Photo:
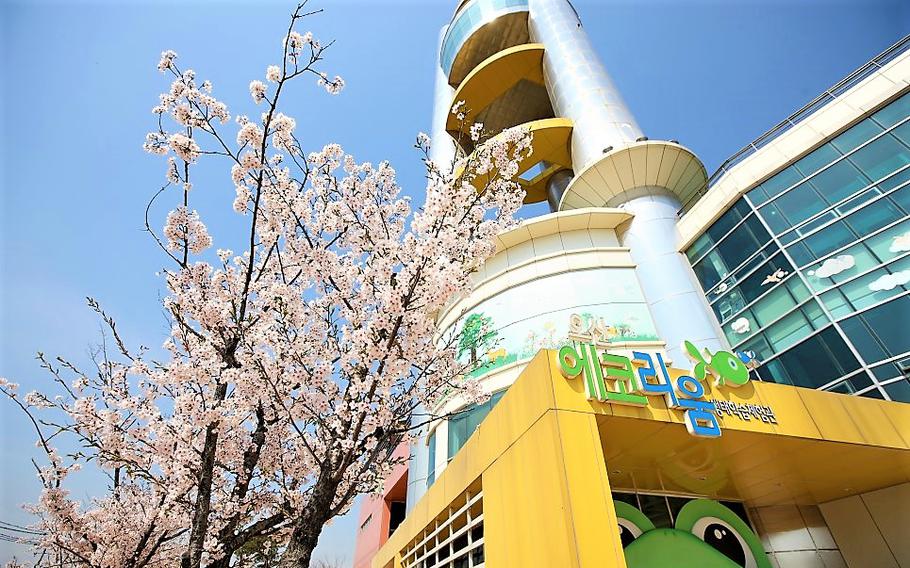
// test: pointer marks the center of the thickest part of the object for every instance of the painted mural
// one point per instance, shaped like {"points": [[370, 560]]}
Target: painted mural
{"points": [[520, 321], [703, 534]]}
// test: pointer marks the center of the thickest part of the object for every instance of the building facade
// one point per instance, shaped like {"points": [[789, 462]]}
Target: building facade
{"points": [[790, 264]]}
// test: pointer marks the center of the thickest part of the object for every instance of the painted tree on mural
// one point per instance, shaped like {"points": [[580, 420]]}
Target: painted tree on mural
{"points": [[477, 336], [293, 368]]}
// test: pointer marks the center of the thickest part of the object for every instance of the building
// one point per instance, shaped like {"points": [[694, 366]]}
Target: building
{"points": [[718, 308]]}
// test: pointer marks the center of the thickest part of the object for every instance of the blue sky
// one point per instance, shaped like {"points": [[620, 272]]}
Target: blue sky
{"points": [[81, 80]]}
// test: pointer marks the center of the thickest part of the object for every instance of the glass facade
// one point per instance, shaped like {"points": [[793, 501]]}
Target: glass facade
{"points": [[465, 422], [811, 269], [461, 426], [474, 15]]}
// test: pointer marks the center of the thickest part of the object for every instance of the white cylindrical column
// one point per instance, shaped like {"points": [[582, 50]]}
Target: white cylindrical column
{"points": [[442, 151], [578, 83], [418, 459], [677, 304]]}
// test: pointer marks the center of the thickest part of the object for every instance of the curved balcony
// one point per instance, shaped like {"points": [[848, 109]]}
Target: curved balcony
{"points": [[505, 90], [624, 173], [479, 29], [549, 154]]}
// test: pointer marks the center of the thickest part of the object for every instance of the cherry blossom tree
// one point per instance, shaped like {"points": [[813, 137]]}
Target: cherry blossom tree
{"points": [[293, 368]]}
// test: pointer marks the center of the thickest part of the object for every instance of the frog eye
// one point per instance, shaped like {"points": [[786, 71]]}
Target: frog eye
{"points": [[632, 522], [725, 539], [723, 530]]}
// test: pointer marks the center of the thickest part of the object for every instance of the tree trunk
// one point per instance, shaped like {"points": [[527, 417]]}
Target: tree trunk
{"points": [[308, 527], [192, 558]]}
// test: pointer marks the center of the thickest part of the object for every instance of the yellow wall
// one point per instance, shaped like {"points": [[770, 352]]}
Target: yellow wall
{"points": [[542, 456]]}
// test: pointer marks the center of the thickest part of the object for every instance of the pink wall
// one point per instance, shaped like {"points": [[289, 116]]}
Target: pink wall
{"points": [[377, 509]]}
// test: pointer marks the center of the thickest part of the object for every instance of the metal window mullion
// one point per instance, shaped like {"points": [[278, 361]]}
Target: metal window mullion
{"points": [[821, 304], [775, 320], [842, 217], [852, 196], [759, 297], [831, 163], [845, 247], [871, 306], [724, 237], [748, 259], [903, 355]]}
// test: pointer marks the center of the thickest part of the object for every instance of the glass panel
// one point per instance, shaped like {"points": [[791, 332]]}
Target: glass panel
{"points": [[902, 197], [902, 132], [458, 434], [710, 270], [899, 391], [762, 279], [817, 159], [895, 180], [800, 253], [819, 221], [881, 157], [886, 371], [726, 222], [760, 346], [776, 372], [847, 264], [778, 183], [798, 289], [741, 327], [744, 241], [891, 242], [788, 331], [819, 360], [655, 508], [774, 305], [873, 217], [889, 324], [431, 460], [476, 416], [789, 237], [816, 316], [874, 393], [699, 247], [861, 293], [857, 201], [839, 181], [829, 239], [797, 205], [774, 218], [894, 112], [836, 303], [729, 305], [744, 269], [862, 339], [855, 383], [858, 134]]}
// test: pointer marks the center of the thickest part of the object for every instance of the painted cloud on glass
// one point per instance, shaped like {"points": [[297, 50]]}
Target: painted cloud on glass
{"points": [[890, 281], [834, 266], [741, 326], [901, 243]]}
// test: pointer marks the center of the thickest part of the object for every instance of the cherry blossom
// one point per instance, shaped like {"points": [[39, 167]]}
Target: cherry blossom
{"points": [[291, 370]]}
